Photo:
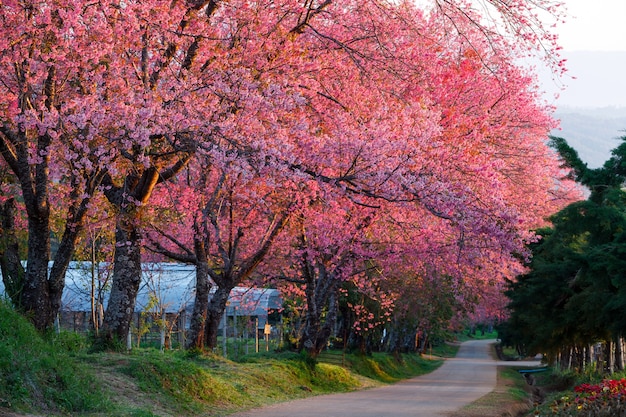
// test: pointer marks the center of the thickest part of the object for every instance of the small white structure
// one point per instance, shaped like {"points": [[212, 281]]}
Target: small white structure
{"points": [[167, 292]]}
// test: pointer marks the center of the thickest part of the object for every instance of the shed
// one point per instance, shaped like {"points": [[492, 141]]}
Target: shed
{"points": [[166, 288]]}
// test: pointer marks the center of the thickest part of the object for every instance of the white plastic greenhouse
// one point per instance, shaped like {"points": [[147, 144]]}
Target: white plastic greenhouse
{"points": [[167, 291]]}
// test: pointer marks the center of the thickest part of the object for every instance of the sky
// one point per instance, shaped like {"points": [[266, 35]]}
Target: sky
{"points": [[594, 25], [594, 44]]}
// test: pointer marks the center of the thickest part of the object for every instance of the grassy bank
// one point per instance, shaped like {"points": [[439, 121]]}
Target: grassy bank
{"points": [[54, 375], [42, 373]]}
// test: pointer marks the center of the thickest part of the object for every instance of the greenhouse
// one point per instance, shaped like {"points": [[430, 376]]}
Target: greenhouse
{"points": [[166, 296]]}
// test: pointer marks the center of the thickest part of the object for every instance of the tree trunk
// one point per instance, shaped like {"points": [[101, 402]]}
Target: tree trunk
{"points": [[608, 354], [129, 199], [588, 356], [10, 264], [313, 314], [197, 325], [423, 342], [329, 323], [215, 312], [36, 303], [321, 292], [126, 280], [619, 354], [312, 326], [37, 291], [75, 223], [393, 338]]}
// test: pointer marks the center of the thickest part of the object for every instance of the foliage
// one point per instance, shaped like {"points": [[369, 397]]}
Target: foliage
{"points": [[67, 341], [472, 333], [573, 293], [400, 137]]}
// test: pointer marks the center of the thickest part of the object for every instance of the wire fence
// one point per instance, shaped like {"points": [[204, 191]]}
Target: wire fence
{"points": [[238, 335]]}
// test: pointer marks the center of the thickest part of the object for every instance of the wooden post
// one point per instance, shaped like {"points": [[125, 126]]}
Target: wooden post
{"points": [[235, 335], [256, 334], [163, 324], [129, 341], [181, 329], [224, 322], [267, 330]]}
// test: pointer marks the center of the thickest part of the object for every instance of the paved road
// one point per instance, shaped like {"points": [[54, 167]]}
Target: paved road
{"points": [[459, 381]]}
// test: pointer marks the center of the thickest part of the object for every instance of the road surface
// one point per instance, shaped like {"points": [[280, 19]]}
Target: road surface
{"points": [[459, 381]]}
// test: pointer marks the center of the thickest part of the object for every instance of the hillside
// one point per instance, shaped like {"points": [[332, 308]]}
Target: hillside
{"points": [[592, 132]]}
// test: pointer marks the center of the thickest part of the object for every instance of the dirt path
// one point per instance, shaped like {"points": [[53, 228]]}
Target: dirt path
{"points": [[458, 382]]}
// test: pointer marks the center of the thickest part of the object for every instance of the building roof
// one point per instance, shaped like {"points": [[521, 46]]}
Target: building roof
{"points": [[168, 287]]}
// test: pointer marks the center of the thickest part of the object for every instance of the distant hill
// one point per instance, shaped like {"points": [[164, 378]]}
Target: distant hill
{"points": [[593, 132], [592, 108]]}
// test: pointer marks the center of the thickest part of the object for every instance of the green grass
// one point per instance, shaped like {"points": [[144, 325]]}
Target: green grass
{"points": [[41, 372], [177, 383], [192, 385], [387, 368], [56, 375], [517, 389], [444, 350], [477, 335]]}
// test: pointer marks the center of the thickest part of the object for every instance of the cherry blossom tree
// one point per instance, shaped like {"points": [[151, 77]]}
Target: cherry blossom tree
{"points": [[330, 250], [378, 103], [44, 93], [394, 133], [461, 175], [234, 211], [91, 92]]}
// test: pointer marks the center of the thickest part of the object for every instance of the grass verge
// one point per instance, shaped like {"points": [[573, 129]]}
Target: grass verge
{"points": [[56, 376]]}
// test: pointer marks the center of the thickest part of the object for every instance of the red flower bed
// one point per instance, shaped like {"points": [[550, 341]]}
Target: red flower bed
{"points": [[606, 399]]}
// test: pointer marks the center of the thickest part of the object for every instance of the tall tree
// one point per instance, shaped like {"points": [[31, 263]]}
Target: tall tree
{"points": [[330, 250], [128, 198], [369, 128], [577, 265], [44, 84], [396, 134]]}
